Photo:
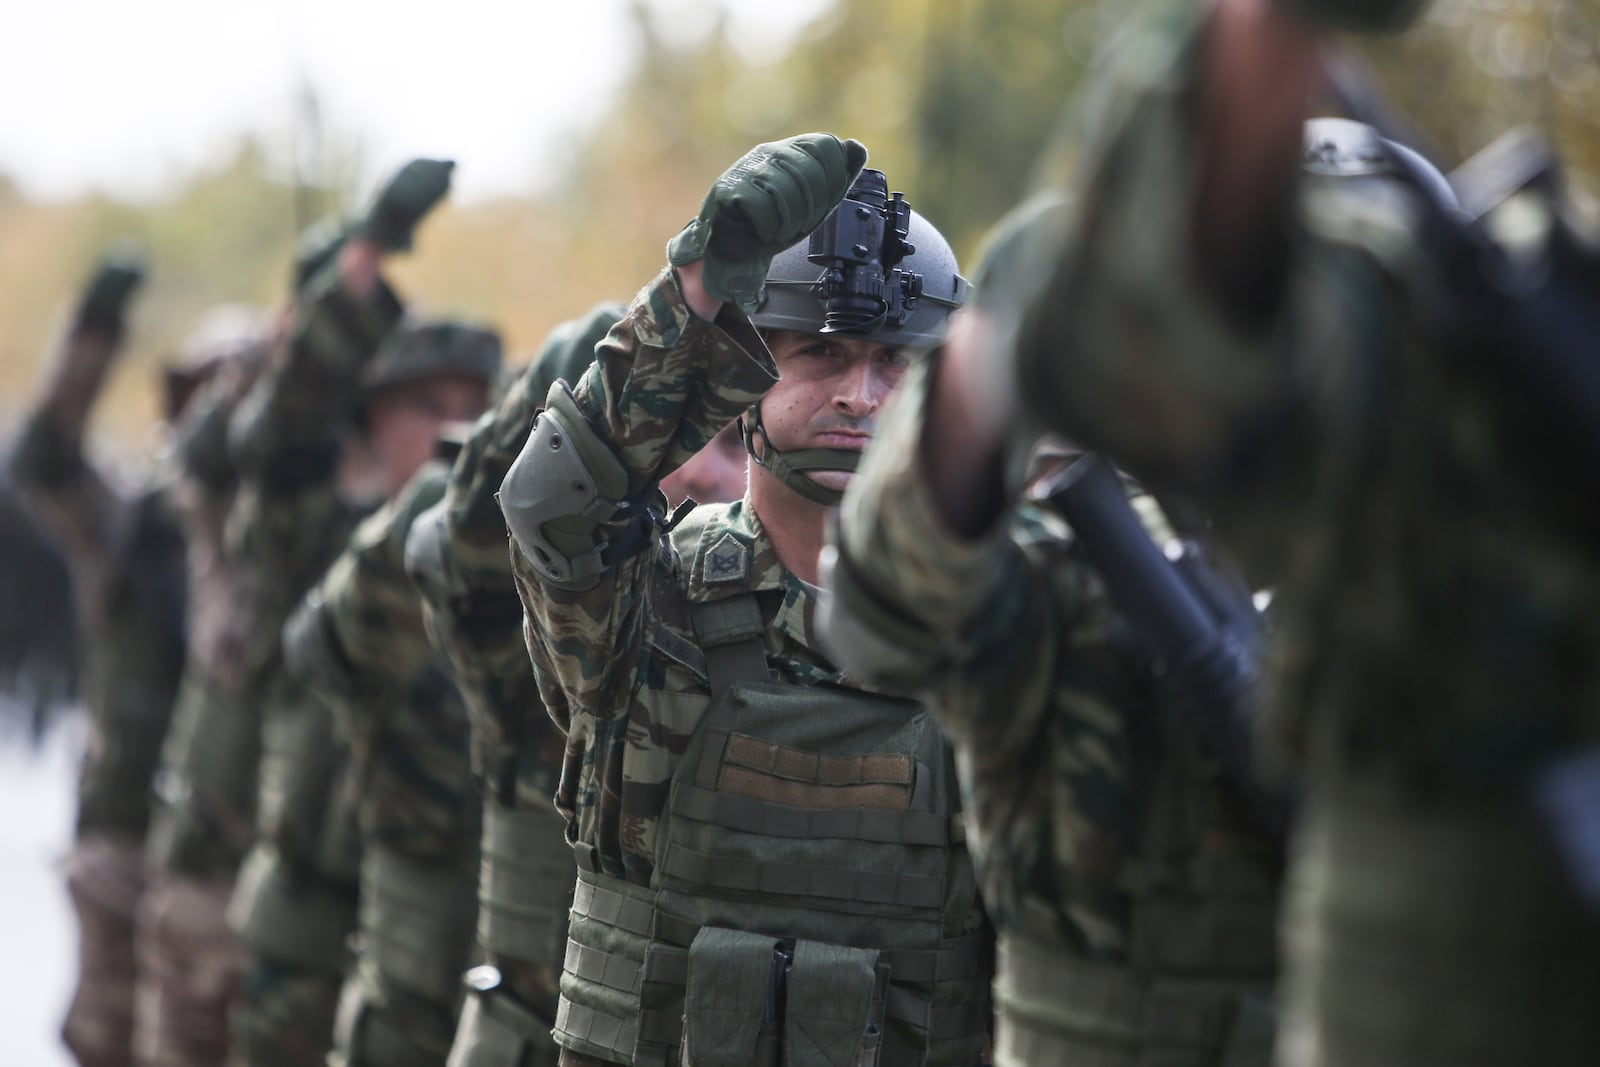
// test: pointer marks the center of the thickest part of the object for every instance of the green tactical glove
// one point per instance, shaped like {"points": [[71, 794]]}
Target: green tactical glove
{"points": [[1359, 16], [105, 298], [410, 194], [775, 195]]}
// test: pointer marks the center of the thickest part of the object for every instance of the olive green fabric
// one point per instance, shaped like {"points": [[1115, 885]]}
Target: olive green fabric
{"points": [[525, 885], [498, 1030]]}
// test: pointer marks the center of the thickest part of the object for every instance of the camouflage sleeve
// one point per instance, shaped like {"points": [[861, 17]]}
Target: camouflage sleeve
{"points": [[903, 574], [1010, 640], [662, 385], [358, 641], [66, 493], [1123, 345], [284, 437], [475, 616]]}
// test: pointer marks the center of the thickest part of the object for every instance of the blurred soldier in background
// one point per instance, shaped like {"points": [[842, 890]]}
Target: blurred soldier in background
{"points": [[358, 642], [125, 553], [1134, 888], [299, 499], [458, 557], [205, 788], [767, 865], [1324, 366]]}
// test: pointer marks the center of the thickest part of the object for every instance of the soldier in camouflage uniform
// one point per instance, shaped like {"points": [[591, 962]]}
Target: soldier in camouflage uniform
{"points": [[125, 553], [1134, 888], [359, 642], [459, 561], [296, 899], [205, 788], [1270, 342], [769, 861]]}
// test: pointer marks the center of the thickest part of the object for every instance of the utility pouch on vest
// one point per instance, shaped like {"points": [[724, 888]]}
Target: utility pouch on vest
{"points": [[834, 1013], [525, 887], [416, 922], [497, 1029], [301, 921], [731, 996], [365, 1034]]}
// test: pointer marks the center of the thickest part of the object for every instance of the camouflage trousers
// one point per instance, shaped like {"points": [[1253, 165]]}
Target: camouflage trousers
{"points": [[105, 876], [189, 963]]}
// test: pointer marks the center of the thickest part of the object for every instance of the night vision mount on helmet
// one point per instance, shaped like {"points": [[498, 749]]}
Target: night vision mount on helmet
{"points": [[874, 269]]}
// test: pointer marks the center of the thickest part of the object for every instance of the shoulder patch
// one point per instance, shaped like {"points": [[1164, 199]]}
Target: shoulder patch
{"points": [[726, 561]]}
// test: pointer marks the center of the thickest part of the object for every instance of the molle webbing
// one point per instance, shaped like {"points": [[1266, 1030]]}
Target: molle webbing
{"points": [[526, 882], [416, 921], [1054, 1007], [642, 979]]}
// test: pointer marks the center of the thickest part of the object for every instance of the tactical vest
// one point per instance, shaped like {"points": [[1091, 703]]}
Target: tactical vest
{"points": [[812, 902], [1196, 988]]}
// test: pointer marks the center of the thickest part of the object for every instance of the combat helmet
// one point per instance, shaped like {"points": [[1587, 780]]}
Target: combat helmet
{"points": [[416, 350], [874, 269]]}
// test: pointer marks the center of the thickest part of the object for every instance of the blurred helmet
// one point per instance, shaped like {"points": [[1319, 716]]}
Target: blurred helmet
{"points": [[415, 350], [1343, 148], [874, 269]]}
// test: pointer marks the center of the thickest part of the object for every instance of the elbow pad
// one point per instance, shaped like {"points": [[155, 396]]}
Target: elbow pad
{"points": [[565, 484]]}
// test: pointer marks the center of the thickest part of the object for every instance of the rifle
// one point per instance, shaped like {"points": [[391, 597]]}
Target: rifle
{"points": [[1198, 622]]}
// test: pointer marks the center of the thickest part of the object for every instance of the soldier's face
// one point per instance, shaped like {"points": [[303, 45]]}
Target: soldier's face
{"points": [[404, 421], [828, 393]]}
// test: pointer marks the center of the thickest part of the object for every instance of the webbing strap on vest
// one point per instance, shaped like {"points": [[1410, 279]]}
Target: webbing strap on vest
{"points": [[1054, 1007], [804, 879], [525, 884], [750, 815], [732, 635]]}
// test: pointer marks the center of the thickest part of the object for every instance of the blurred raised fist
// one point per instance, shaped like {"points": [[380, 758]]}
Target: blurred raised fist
{"points": [[772, 197], [408, 196], [105, 297]]}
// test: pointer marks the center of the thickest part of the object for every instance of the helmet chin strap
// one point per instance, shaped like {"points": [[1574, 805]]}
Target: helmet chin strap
{"points": [[791, 468]]}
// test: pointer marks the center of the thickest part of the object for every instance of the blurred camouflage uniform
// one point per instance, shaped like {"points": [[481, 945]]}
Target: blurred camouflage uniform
{"points": [[1134, 893], [1435, 560], [663, 951], [358, 641], [295, 903], [459, 560], [205, 789], [125, 554]]}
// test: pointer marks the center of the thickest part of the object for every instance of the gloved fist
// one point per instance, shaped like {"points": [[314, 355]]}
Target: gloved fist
{"points": [[775, 195], [105, 298], [410, 195]]}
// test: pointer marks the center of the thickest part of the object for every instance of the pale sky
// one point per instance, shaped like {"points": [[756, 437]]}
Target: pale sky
{"points": [[121, 95]]}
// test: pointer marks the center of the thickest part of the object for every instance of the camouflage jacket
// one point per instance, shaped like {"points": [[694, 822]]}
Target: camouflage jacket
{"points": [[1082, 796], [475, 617], [1434, 563], [363, 649], [125, 554], [618, 665]]}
